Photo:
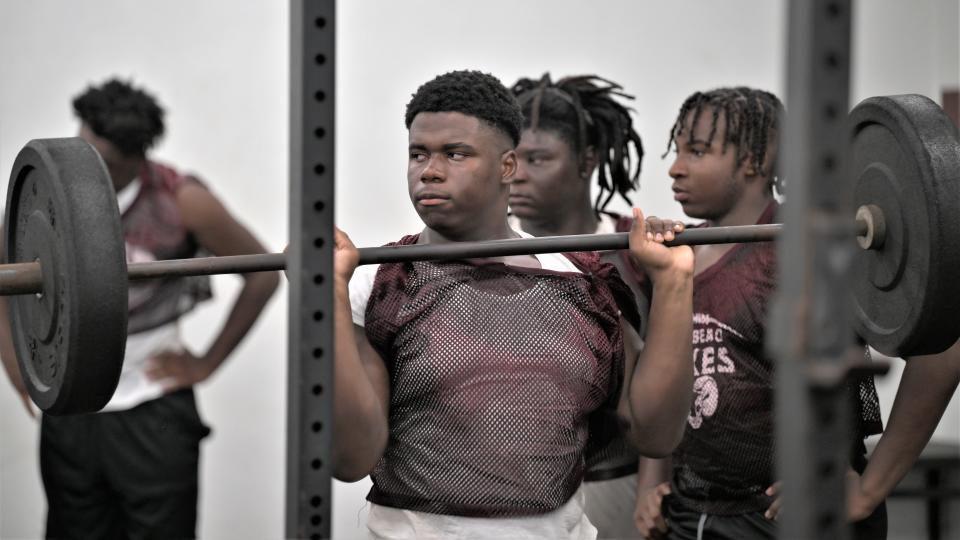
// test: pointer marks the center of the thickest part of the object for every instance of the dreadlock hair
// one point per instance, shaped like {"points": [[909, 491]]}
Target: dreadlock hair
{"points": [[127, 117], [471, 93], [583, 112], [751, 120]]}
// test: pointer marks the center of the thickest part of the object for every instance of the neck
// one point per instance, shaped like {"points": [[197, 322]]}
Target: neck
{"points": [[498, 230], [580, 219], [129, 174], [747, 211]]}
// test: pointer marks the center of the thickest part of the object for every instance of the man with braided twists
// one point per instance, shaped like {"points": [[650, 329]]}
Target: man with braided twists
{"points": [[720, 481]]}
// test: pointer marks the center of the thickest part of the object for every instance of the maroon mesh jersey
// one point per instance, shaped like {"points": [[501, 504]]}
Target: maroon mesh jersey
{"points": [[726, 459], [153, 230], [496, 373]]}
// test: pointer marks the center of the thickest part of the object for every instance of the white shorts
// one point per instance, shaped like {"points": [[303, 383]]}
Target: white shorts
{"points": [[568, 521]]}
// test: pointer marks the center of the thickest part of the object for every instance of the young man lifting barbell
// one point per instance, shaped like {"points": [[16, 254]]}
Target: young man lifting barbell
{"points": [[469, 390]]}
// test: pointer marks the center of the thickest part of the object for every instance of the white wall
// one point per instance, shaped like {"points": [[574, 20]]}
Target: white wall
{"points": [[221, 70], [220, 67]]}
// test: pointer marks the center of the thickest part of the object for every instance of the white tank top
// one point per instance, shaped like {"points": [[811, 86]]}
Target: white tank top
{"points": [[134, 387]]}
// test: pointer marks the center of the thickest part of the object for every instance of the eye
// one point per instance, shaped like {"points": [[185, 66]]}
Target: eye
{"points": [[536, 160], [699, 153], [419, 157], [456, 156]]}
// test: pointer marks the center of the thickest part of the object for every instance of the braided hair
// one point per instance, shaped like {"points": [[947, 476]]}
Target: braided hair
{"points": [[126, 116], [751, 120], [583, 112]]}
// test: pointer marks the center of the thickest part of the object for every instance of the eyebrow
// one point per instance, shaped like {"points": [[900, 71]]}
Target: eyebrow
{"points": [[445, 148], [457, 146], [532, 148]]}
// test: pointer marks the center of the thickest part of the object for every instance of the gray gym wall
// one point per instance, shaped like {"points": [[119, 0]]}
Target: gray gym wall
{"points": [[221, 69]]}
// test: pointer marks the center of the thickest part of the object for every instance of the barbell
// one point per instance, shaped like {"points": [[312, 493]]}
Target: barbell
{"points": [[67, 276]]}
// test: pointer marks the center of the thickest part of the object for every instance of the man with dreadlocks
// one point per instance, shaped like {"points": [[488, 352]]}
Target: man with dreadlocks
{"points": [[572, 129], [721, 475], [467, 389], [576, 130]]}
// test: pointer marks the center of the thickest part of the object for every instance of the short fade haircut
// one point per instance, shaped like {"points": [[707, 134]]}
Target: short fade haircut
{"points": [[471, 93], [126, 116]]}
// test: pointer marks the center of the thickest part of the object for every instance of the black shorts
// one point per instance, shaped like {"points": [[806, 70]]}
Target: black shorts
{"points": [[688, 524], [124, 474]]}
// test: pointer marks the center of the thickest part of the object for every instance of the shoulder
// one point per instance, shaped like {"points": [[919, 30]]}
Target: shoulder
{"points": [[365, 280], [166, 177], [587, 262], [191, 194], [198, 205]]}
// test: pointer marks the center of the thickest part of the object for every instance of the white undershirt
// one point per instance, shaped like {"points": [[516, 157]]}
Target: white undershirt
{"points": [[134, 387]]}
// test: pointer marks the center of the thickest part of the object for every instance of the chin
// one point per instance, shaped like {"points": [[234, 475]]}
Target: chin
{"points": [[524, 212], [696, 212], [521, 213], [437, 221]]}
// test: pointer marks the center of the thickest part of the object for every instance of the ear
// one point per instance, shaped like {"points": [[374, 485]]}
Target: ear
{"points": [[748, 168], [588, 162], [508, 166]]}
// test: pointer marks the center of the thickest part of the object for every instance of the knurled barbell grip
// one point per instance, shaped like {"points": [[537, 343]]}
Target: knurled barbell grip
{"points": [[26, 278]]}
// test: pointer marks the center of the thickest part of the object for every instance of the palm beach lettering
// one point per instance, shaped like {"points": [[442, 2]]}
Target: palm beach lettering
{"points": [[710, 357]]}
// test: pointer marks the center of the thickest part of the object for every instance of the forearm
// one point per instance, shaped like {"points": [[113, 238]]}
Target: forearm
{"points": [[360, 420], [661, 386], [257, 290], [652, 472], [925, 389]]}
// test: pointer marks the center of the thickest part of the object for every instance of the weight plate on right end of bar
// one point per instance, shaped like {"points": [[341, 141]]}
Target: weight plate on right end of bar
{"points": [[905, 156]]}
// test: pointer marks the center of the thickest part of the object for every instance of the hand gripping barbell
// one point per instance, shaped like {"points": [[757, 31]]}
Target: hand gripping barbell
{"points": [[67, 275]]}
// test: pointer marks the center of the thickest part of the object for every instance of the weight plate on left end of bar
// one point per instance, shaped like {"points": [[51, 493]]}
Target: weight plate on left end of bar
{"points": [[69, 339]]}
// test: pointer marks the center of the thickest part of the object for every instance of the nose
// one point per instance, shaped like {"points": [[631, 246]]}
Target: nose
{"points": [[434, 170], [677, 169]]}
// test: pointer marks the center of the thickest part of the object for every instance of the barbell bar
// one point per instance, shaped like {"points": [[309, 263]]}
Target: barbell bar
{"points": [[64, 244], [27, 278]]}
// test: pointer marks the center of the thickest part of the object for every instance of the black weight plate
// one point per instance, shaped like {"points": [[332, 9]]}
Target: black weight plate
{"points": [[906, 160], [62, 211]]}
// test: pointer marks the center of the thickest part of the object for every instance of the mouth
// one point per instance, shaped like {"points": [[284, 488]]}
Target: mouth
{"points": [[431, 198], [680, 196], [518, 199]]}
